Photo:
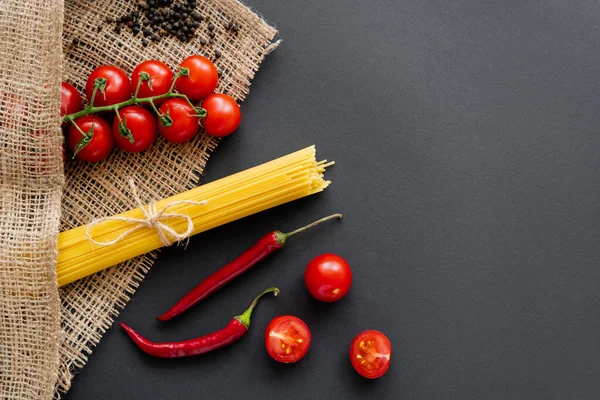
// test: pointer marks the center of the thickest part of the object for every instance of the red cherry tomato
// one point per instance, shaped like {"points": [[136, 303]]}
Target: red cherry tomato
{"points": [[328, 277], [184, 121], [137, 131], [161, 78], [70, 100], [101, 140], [287, 339], [117, 90], [223, 115], [370, 354], [202, 79]]}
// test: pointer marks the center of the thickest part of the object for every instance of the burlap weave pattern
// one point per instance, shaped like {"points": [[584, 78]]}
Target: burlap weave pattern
{"points": [[31, 180], [97, 190]]}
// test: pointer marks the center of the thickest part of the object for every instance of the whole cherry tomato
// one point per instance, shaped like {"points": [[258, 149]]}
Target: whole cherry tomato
{"points": [[370, 354], [70, 99], [184, 121], [97, 142], [287, 338], [202, 78], [136, 131], [161, 78], [328, 277], [118, 86], [223, 115]]}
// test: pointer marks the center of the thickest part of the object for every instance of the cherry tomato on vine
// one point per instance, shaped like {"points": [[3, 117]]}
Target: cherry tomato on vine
{"points": [[118, 86], [184, 122], [370, 354], [287, 339], [328, 277], [202, 79], [223, 115], [70, 99], [161, 78], [98, 134], [136, 131]]}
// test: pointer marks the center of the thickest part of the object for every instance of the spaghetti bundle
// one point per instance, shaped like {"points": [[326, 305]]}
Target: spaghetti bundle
{"points": [[256, 189]]}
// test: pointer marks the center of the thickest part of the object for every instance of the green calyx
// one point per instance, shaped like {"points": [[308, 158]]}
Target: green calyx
{"points": [[86, 138]]}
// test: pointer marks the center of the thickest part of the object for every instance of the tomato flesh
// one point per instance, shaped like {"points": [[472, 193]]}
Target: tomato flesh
{"points": [[328, 277], [370, 354], [287, 339]]}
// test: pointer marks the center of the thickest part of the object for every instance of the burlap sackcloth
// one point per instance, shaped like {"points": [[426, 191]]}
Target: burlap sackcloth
{"points": [[46, 333]]}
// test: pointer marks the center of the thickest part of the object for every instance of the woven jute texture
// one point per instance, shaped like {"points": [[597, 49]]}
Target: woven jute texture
{"points": [[98, 190], [31, 178]]}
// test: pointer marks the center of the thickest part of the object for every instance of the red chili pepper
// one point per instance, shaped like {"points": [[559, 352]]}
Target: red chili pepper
{"points": [[266, 245], [233, 332]]}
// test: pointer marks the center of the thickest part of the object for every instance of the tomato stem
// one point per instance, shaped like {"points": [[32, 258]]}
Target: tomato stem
{"points": [[99, 85]]}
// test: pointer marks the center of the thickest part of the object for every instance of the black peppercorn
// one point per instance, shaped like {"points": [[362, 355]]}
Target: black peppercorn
{"points": [[227, 26], [108, 20], [144, 42], [211, 27], [130, 24], [154, 38], [155, 27], [203, 41], [169, 27], [135, 30], [75, 41], [118, 29], [235, 28], [211, 34], [135, 14], [99, 28], [217, 53]]}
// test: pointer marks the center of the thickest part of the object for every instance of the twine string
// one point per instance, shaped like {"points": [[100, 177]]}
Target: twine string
{"points": [[153, 218]]}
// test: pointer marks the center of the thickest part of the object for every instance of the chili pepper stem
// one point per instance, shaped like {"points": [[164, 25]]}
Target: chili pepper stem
{"points": [[244, 318], [283, 237]]}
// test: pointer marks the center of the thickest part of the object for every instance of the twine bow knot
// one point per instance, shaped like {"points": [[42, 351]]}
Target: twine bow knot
{"points": [[153, 219]]}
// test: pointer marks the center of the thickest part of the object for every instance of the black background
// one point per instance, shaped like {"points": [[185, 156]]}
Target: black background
{"points": [[466, 137]]}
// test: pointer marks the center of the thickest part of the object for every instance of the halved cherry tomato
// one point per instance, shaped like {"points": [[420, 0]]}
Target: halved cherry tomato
{"points": [[118, 86], [101, 141], [70, 99], [370, 354], [328, 277], [287, 338], [137, 131], [202, 79], [184, 121], [223, 115], [161, 78]]}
